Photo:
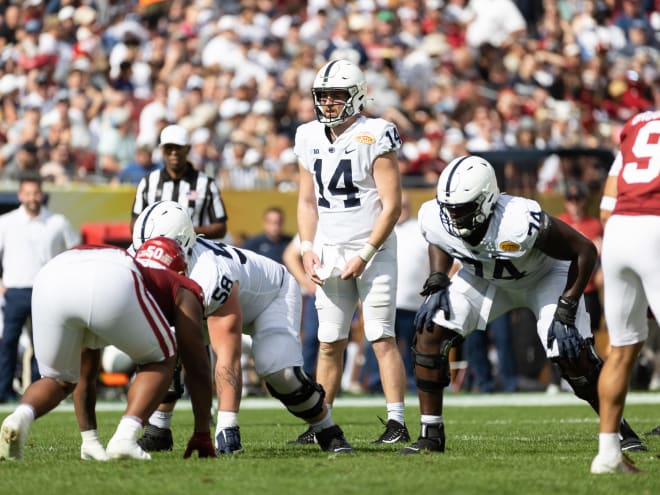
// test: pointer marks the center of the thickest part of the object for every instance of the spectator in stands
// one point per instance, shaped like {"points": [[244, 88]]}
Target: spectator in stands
{"points": [[140, 167], [272, 242]]}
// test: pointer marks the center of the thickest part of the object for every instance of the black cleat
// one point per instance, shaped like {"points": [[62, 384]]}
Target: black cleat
{"points": [[431, 439], [654, 431], [306, 438], [332, 440], [156, 439], [394, 432], [630, 442]]}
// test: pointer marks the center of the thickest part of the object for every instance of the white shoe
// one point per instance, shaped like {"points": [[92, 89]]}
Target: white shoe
{"points": [[13, 434], [92, 450], [618, 464], [125, 448]]}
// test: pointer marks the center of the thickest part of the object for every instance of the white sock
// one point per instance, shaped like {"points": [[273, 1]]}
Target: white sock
{"points": [[395, 412], [351, 356], [227, 419], [89, 436], [326, 422], [129, 427], [161, 419], [609, 444], [329, 406], [429, 419], [25, 410]]}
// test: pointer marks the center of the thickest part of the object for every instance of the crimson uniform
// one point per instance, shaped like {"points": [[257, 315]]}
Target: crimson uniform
{"points": [[632, 234], [98, 295]]}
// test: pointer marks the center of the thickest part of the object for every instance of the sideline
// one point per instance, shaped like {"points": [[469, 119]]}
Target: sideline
{"points": [[468, 400]]}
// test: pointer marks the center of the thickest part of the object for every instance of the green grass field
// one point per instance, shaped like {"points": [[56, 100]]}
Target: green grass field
{"points": [[493, 446]]}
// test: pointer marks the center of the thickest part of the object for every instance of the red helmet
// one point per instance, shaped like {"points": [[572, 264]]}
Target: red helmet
{"points": [[163, 251]]}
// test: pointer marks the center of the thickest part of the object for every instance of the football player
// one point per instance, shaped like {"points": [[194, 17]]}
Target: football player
{"points": [[245, 290], [513, 254], [631, 208], [90, 296], [349, 202]]}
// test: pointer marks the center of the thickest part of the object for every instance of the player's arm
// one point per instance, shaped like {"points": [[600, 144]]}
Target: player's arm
{"points": [[293, 261], [560, 241], [215, 230], [193, 355], [225, 326], [608, 200], [388, 183], [307, 215]]}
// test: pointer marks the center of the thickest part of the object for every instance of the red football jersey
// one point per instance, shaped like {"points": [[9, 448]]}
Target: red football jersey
{"points": [[637, 166]]}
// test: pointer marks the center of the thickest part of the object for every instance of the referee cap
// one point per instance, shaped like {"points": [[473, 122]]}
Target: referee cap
{"points": [[174, 134]]}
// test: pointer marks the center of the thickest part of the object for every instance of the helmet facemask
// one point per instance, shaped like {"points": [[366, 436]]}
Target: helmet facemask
{"points": [[347, 111], [339, 76], [463, 219]]}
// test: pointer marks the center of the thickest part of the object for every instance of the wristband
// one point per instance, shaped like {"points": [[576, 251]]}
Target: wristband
{"points": [[306, 247], [607, 203], [367, 252]]}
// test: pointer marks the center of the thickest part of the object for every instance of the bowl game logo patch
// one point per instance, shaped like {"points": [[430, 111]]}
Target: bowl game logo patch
{"points": [[365, 138], [509, 246]]}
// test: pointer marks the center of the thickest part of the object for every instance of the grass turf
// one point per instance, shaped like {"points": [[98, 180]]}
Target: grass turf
{"points": [[496, 449]]}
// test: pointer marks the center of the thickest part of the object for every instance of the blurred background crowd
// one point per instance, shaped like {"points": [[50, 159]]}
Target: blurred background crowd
{"points": [[86, 85]]}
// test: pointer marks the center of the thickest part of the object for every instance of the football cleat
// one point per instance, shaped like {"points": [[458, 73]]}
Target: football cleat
{"points": [[654, 431], [630, 442], [156, 439], [228, 441], [306, 438], [92, 450], [13, 434], [394, 432], [431, 439], [126, 448], [332, 440], [618, 464]]}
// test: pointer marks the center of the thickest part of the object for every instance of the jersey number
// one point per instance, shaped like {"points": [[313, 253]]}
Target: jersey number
{"points": [[503, 270], [647, 149], [344, 174], [220, 249]]}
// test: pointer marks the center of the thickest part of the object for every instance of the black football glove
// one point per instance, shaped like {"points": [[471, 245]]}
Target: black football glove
{"points": [[202, 443], [437, 298], [563, 329]]}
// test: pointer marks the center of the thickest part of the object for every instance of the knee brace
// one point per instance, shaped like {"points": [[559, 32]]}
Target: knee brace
{"points": [[175, 391], [301, 396], [437, 362], [582, 373]]}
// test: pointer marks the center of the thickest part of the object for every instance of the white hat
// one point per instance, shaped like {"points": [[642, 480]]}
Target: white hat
{"points": [[288, 156], [8, 84], [66, 12], [200, 135], [263, 107], [232, 107], [174, 134]]}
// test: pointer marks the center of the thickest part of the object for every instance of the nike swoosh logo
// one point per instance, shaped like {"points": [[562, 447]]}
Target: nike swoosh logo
{"points": [[350, 151]]}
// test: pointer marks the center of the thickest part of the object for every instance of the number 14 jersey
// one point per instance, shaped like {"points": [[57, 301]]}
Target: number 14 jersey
{"points": [[347, 198]]}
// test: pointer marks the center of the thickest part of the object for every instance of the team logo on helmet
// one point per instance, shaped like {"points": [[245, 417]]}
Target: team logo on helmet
{"points": [[164, 252]]}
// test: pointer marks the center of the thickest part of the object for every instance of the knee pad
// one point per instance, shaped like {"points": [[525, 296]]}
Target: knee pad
{"points": [[175, 391], [301, 396], [437, 362], [582, 373]]}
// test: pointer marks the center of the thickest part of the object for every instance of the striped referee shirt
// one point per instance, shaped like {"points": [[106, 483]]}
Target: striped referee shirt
{"points": [[194, 191]]}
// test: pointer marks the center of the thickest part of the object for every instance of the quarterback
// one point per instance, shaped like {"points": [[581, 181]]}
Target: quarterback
{"points": [[513, 255], [349, 202]]}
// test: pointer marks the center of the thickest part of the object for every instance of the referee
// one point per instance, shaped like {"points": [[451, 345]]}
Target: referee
{"points": [[179, 181]]}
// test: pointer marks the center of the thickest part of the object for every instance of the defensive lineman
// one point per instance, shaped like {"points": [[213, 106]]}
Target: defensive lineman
{"points": [[513, 255], [244, 289]]}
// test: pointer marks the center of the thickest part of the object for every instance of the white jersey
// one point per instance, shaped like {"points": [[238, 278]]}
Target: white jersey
{"points": [[347, 198], [216, 266], [506, 256]]}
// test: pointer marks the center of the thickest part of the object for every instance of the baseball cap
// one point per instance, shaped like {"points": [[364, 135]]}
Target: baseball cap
{"points": [[174, 134]]}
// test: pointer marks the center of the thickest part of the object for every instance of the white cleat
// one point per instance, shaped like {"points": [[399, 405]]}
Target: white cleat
{"points": [[126, 448], [617, 464], [13, 434], [92, 450]]}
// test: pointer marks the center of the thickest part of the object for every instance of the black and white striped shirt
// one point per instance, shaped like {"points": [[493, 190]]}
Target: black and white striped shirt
{"points": [[195, 191]]}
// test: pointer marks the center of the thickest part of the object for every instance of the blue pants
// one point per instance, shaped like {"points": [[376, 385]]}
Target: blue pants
{"points": [[18, 308], [310, 343]]}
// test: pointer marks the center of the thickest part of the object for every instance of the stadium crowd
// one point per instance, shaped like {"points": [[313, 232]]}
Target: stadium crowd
{"points": [[86, 85]]}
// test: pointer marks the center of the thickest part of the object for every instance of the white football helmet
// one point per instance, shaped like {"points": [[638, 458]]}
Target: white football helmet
{"points": [[166, 219], [340, 75], [467, 193]]}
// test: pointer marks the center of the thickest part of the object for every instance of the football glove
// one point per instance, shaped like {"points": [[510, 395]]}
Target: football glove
{"points": [[437, 298], [202, 443], [563, 329]]}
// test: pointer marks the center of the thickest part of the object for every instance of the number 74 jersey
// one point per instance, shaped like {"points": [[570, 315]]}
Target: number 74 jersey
{"points": [[346, 194]]}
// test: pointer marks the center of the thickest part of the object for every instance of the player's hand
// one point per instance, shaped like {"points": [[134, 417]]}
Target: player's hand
{"points": [[202, 443], [310, 262], [354, 268], [562, 329], [437, 298]]}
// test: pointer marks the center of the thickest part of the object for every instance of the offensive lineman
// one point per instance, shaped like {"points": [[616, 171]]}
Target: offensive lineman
{"points": [[513, 255], [631, 208], [349, 202], [240, 288]]}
